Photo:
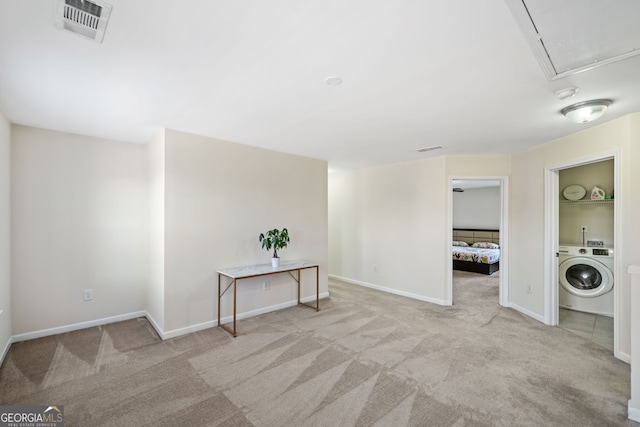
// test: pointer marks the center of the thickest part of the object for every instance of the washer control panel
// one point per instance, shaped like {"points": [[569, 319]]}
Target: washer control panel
{"points": [[601, 252], [585, 251]]}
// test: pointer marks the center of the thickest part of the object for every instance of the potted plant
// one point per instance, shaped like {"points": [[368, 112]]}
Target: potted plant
{"points": [[278, 239]]}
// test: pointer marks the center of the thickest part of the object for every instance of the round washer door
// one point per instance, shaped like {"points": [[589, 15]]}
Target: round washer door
{"points": [[585, 277]]}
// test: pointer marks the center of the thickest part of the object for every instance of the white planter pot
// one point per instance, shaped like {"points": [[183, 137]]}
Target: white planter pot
{"points": [[275, 262]]}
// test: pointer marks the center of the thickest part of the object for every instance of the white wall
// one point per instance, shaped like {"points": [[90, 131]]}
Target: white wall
{"points": [[155, 290], [632, 207], [481, 167], [219, 196], [146, 227], [631, 202], [5, 235], [527, 205], [477, 208], [387, 227], [79, 221]]}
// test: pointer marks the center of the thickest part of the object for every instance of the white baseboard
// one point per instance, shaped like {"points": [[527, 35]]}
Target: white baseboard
{"points": [[6, 347], [527, 312], [163, 335], [6, 350], [187, 329], [390, 290], [247, 314], [77, 326], [633, 413], [154, 324], [276, 307], [625, 357]]}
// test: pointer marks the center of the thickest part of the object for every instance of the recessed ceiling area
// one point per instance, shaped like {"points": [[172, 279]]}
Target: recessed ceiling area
{"points": [[570, 36], [458, 75]]}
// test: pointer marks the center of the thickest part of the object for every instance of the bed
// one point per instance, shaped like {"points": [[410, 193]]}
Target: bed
{"points": [[476, 250]]}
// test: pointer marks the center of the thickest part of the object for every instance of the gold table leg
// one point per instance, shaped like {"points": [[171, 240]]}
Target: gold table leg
{"points": [[234, 284], [220, 324], [317, 307]]}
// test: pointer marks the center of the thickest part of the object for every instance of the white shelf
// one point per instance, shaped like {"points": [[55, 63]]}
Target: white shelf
{"points": [[586, 202]]}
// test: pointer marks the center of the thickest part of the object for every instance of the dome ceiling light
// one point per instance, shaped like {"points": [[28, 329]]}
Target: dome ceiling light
{"points": [[585, 112]]}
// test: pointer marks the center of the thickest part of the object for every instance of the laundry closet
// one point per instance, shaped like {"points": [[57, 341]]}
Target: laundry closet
{"points": [[586, 249]]}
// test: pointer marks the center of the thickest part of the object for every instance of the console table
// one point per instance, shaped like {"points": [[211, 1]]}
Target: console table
{"points": [[238, 273]]}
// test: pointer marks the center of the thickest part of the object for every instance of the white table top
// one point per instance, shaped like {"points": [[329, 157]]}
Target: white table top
{"points": [[262, 269]]}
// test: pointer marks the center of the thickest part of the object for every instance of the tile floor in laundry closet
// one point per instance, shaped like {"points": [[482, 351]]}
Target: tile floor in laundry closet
{"points": [[597, 328]]}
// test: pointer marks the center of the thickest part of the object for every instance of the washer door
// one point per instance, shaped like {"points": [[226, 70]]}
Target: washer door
{"points": [[585, 277]]}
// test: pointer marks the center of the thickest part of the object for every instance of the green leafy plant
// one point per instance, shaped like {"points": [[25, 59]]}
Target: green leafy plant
{"points": [[278, 239]]}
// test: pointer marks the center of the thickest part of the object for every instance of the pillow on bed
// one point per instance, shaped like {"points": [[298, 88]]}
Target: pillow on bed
{"points": [[486, 245], [459, 243]]}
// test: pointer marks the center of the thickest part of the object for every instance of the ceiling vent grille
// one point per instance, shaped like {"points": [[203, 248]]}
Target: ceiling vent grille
{"points": [[83, 17], [435, 147]]}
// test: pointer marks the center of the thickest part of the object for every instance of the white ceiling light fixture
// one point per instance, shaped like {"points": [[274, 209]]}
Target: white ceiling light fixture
{"points": [[587, 111]]}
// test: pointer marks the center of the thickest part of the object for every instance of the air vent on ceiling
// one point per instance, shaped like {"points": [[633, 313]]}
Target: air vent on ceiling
{"points": [[83, 17], [435, 147]]}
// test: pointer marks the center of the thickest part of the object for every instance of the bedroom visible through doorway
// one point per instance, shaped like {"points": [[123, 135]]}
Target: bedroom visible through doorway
{"points": [[476, 219]]}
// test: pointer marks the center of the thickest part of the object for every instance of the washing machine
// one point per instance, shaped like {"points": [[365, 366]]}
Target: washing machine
{"points": [[586, 279]]}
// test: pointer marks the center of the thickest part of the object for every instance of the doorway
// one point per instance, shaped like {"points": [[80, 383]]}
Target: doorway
{"points": [[479, 205], [583, 232]]}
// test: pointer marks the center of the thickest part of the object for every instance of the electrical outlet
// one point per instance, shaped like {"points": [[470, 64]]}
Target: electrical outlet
{"points": [[583, 228], [266, 285], [88, 295]]}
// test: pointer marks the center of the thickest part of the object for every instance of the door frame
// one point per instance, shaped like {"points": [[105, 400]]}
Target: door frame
{"points": [[503, 288], [551, 236]]}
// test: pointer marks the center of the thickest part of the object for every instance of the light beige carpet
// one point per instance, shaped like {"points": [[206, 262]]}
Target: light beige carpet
{"points": [[366, 359]]}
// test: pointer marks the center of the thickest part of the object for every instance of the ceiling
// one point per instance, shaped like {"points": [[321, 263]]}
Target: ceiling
{"points": [[461, 74]]}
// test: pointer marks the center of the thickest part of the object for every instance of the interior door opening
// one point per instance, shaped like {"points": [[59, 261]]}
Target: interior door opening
{"points": [[561, 233], [586, 251], [478, 220]]}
